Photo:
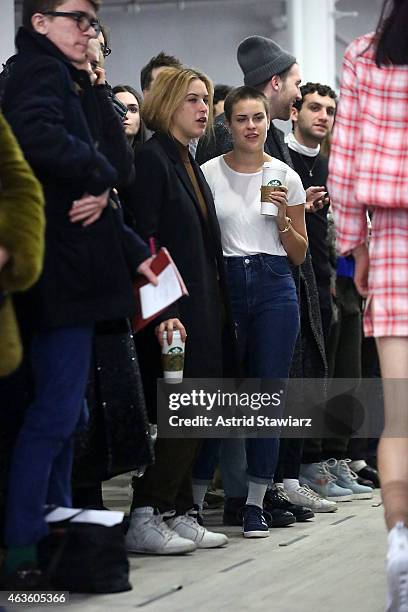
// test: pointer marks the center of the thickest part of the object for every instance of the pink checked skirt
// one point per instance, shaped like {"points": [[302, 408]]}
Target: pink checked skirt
{"points": [[386, 312]]}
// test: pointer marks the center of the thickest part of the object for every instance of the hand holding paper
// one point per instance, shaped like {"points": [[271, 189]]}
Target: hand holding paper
{"points": [[151, 299]]}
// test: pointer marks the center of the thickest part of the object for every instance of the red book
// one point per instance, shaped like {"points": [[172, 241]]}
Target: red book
{"points": [[160, 262]]}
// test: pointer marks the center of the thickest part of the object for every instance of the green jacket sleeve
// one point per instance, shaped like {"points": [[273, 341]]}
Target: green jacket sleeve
{"points": [[22, 219]]}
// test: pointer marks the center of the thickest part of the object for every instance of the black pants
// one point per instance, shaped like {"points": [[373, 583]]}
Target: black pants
{"points": [[291, 449], [326, 311], [290, 458], [167, 484], [344, 361]]}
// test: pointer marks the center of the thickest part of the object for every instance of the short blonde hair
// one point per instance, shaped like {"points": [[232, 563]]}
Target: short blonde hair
{"points": [[168, 93]]}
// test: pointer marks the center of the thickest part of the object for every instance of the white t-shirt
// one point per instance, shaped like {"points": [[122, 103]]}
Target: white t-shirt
{"points": [[237, 197]]}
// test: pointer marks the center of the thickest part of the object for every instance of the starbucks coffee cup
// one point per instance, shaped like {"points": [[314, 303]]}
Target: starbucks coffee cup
{"points": [[273, 178], [173, 358]]}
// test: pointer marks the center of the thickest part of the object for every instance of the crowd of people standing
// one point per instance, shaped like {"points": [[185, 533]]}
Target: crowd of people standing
{"points": [[95, 179]]}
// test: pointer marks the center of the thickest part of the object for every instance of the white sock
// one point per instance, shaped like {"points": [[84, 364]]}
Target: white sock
{"points": [[256, 493], [199, 491], [291, 484], [356, 466]]}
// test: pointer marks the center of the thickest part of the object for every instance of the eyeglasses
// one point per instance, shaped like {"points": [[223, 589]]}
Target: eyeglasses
{"points": [[105, 50], [83, 20]]}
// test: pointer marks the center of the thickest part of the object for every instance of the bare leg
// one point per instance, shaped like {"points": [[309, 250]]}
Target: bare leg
{"points": [[393, 451]]}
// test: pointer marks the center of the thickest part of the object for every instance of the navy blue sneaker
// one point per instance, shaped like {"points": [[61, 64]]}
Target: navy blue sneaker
{"points": [[254, 525]]}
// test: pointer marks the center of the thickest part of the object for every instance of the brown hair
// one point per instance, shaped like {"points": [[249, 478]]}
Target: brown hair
{"points": [[391, 34], [168, 93], [30, 7], [244, 93], [162, 60], [141, 136]]}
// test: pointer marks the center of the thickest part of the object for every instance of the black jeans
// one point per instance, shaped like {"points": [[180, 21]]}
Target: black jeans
{"points": [[344, 361], [167, 485]]}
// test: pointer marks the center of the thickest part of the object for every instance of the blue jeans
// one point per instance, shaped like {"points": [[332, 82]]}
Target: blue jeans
{"points": [[40, 471], [266, 314], [230, 454]]}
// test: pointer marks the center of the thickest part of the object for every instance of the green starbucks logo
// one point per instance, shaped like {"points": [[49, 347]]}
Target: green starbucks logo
{"points": [[274, 183], [175, 350]]}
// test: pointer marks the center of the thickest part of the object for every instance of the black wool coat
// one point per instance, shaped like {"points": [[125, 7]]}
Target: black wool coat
{"points": [[167, 210], [87, 271]]}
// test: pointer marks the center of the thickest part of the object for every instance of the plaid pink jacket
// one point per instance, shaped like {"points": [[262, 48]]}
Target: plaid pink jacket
{"points": [[369, 155]]}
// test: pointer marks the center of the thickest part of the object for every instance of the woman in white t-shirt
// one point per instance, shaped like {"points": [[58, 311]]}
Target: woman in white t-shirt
{"points": [[257, 250]]}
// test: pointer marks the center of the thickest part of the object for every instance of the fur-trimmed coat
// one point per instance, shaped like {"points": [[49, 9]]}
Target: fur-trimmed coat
{"points": [[22, 226]]}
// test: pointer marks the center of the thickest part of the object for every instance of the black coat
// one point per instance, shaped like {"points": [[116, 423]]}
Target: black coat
{"points": [[167, 210], [309, 358], [86, 275]]}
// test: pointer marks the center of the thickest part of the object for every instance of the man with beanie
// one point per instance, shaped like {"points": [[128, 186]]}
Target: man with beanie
{"points": [[275, 72]]}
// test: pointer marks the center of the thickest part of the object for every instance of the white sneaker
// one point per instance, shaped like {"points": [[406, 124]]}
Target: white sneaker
{"points": [[186, 526], [149, 533], [305, 496], [397, 569]]}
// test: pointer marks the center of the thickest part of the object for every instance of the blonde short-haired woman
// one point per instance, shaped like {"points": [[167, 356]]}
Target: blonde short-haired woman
{"points": [[175, 208]]}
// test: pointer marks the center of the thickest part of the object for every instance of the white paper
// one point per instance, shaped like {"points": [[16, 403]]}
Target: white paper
{"points": [[153, 299], [96, 517]]}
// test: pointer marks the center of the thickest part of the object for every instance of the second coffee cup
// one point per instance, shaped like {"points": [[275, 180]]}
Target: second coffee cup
{"points": [[173, 358], [273, 179]]}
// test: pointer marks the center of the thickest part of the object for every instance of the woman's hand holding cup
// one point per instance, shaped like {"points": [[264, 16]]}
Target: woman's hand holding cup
{"points": [[172, 336], [281, 202], [168, 326], [280, 199]]}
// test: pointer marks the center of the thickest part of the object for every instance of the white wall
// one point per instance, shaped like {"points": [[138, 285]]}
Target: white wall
{"points": [[349, 28], [6, 29], [202, 36], [207, 35]]}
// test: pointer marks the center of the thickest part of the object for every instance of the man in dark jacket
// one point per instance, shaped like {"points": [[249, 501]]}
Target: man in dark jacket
{"points": [[87, 270]]}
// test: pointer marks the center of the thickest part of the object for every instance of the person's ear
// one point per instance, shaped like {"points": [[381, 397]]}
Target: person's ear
{"points": [[276, 82], [40, 23], [294, 114]]}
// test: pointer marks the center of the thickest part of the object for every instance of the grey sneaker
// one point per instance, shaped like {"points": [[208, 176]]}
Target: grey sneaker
{"points": [[148, 533], [305, 496], [348, 479], [316, 476], [187, 526], [336, 491]]}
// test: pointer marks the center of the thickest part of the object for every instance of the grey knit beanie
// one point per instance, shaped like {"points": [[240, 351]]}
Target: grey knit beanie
{"points": [[260, 59]]}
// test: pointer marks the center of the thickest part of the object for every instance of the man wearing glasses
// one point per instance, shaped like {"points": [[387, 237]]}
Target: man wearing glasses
{"points": [[85, 278]]}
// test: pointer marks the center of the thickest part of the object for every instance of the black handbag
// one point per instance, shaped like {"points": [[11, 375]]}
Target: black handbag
{"points": [[85, 557]]}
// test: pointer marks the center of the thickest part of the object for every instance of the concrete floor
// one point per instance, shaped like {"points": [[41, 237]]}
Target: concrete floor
{"points": [[334, 563]]}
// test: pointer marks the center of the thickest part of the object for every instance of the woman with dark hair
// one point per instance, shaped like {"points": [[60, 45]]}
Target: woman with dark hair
{"points": [[369, 170], [174, 208], [135, 128], [257, 250], [136, 133]]}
